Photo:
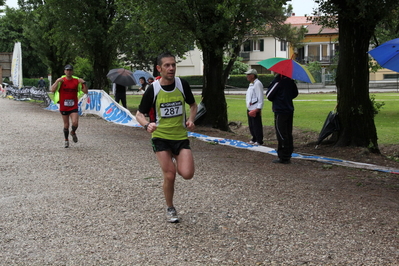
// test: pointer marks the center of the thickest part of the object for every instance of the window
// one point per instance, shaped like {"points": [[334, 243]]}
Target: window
{"points": [[283, 45], [258, 45], [391, 76], [247, 46], [254, 45]]}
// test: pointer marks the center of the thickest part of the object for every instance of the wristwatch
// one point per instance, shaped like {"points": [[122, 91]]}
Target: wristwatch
{"points": [[146, 126]]}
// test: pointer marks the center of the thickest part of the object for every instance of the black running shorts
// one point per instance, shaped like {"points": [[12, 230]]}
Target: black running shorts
{"points": [[69, 112], [170, 145]]}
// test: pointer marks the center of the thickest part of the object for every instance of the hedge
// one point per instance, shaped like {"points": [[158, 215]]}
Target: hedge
{"points": [[236, 81]]}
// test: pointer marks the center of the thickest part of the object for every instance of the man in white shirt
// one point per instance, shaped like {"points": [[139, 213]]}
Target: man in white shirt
{"points": [[254, 102]]}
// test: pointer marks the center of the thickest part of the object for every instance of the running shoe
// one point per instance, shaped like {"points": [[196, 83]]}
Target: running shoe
{"points": [[171, 215], [251, 142], [66, 144], [74, 137]]}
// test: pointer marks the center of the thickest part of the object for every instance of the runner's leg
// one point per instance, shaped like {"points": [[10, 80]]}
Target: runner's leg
{"points": [[75, 122], [185, 163], [65, 119], [169, 173]]}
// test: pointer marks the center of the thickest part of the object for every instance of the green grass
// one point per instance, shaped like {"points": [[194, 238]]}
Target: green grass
{"points": [[311, 111]]}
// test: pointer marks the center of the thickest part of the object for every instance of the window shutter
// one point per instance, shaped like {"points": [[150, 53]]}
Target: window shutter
{"points": [[247, 46]]}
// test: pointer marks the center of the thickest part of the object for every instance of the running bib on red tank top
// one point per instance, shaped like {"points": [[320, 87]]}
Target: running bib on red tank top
{"points": [[69, 102]]}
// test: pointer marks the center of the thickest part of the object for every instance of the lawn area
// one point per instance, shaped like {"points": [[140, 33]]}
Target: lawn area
{"points": [[311, 111]]}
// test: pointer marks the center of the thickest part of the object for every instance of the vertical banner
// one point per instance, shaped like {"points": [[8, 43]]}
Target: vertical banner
{"points": [[16, 66]]}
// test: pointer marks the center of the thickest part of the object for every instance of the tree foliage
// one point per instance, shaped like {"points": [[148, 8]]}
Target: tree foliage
{"points": [[149, 36], [52, 46], [219, 27], [93, 28]]}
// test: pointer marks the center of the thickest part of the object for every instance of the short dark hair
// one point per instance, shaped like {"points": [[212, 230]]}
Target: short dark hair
{"points": [[162, 56]]}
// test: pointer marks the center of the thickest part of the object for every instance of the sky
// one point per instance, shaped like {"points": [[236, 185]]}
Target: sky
{"points": [[301, 7], [12, 3]]}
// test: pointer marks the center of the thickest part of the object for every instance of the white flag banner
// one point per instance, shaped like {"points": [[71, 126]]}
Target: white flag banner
{"points": [[98, 102], [16, 66]]}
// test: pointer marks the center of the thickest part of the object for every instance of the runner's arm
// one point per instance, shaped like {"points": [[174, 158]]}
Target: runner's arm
{"points": [[55, 85], [193, 112]]}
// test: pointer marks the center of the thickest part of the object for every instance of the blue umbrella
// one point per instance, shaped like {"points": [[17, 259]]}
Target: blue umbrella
{"points": [[141, 73], [387, 54]]}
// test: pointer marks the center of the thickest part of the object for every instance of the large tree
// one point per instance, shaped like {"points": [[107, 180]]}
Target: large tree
{"points": [[51, 45], [91, 28], [357, 21], [12, 31], [218, 26]]}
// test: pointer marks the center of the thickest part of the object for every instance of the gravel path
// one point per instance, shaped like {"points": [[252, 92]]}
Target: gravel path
{"points": [[100, 202]]}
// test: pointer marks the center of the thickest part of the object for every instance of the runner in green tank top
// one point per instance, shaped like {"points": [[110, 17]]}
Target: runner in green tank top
{"points": [[165, 101]]}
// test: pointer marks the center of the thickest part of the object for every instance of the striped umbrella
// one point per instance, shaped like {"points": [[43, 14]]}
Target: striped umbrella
{"points": [[288, 68]]}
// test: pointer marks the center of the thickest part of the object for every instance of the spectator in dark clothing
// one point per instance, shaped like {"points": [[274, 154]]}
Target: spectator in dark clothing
{"points": [[41, 84], [120, 94], [280, 92]]}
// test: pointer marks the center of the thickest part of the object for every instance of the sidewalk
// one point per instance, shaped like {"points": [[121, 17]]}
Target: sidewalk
{"points": [[100, 202]]}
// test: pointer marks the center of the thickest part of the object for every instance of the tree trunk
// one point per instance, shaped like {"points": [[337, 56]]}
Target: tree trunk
{"points": [[213, 91], [101, 65], [355, 109]]}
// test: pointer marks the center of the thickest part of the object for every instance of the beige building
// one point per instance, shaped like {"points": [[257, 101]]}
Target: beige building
{"points": [[191, 64], [320, 44]]}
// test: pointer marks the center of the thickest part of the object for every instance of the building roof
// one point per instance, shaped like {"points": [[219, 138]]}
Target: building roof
{"points": [[312, 28], [317, 29], [298, 20]]}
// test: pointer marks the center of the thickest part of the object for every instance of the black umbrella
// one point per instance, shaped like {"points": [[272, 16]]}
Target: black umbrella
{"points": [[330, 126], [121, 76]]}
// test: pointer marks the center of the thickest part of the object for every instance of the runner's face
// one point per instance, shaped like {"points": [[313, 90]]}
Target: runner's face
{"points": [[168, 68], [68, 72]]}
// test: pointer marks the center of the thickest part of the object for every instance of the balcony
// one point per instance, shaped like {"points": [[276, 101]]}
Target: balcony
{"points": [[325, 60], [245, 55]]}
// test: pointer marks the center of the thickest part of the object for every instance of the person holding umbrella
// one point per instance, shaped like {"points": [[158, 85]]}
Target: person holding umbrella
{"points": [[67, 89], [254, 102], [120, 93], [168, 125], [281, 91]]}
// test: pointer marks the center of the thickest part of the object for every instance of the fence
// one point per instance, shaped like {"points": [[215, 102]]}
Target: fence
{"points": [[28, 93]]}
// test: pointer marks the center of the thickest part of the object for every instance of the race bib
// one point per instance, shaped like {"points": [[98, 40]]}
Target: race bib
{"points": [[69, 102], [171, 109]]}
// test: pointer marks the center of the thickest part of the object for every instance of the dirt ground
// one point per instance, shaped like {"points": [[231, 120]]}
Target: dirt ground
{"points": [[100, 201]]}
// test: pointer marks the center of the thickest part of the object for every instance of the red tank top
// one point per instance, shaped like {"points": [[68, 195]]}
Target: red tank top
{"points": [[69, 94]]}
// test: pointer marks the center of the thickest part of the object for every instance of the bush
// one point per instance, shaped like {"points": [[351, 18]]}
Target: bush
{"points": [[240, 81], [33, 82], [193, 80]]}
